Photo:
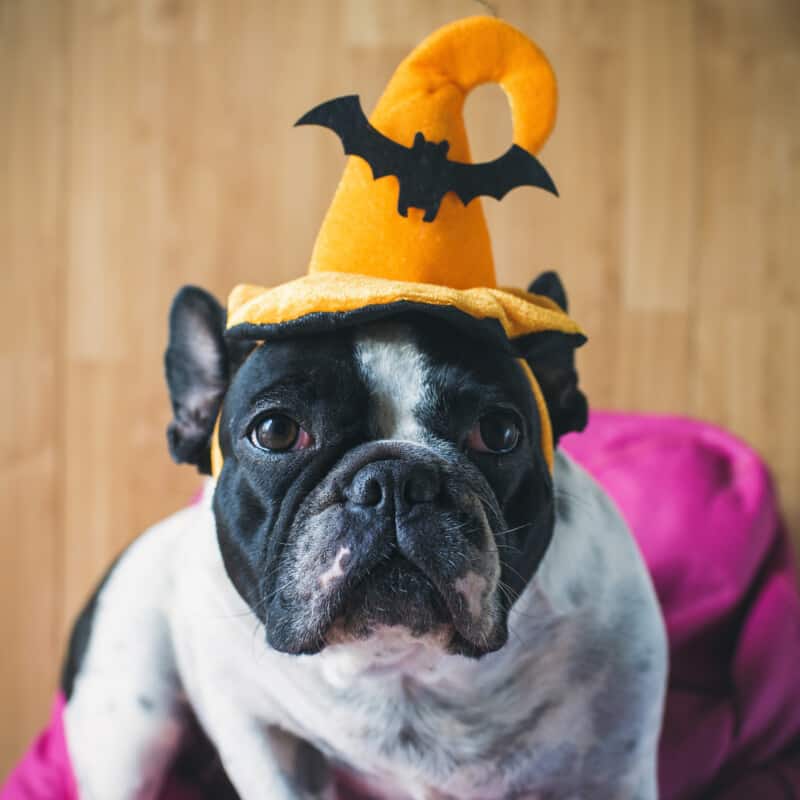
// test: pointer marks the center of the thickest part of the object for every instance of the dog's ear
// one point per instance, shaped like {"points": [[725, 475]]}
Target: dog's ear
{"points": [[197, 367], [551, 356]]}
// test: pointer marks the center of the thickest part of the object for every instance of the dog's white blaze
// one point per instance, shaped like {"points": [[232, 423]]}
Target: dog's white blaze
{"points": [[335, 570], [472, 587], [394, 370]]}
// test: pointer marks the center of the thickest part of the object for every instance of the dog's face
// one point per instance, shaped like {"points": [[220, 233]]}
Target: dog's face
{"points": [[389, 474], [384, 475]]}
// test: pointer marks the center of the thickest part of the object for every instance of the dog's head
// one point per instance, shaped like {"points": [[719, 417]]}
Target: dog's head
{"points": [[389, 474]]}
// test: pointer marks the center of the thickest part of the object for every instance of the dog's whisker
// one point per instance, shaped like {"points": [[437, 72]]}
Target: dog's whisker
{"points": [[508, 531]]}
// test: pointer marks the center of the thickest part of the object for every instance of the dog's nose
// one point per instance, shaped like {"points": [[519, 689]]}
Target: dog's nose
{"points": [[402, 483]]}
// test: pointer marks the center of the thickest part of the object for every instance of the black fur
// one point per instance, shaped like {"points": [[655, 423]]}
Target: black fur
{"points": [[197, 374], [79, 638], [552, 358], [198, 766], [259, 494], [469, 376], [198, 364]]}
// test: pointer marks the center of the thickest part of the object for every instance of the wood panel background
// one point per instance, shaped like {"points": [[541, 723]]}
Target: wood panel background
{"points": [[148, 144]]}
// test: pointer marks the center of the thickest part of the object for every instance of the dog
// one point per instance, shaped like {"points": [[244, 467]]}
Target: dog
{"points": [[385, 586]]}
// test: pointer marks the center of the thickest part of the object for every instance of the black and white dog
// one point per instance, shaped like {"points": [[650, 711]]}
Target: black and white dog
{"points": [[385, 582]]}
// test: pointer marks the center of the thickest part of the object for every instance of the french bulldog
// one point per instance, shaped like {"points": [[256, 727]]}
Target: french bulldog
{"points": [[385, 589]]}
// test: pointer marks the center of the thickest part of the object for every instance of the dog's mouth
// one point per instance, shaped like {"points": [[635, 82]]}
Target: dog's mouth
{"points": [[397, 594], [394, 592], [349, 570]]}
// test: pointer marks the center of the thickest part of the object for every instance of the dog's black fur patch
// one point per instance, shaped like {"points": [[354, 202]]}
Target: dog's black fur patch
{"points": [[552, 359], [79, 638], [198, 364]]}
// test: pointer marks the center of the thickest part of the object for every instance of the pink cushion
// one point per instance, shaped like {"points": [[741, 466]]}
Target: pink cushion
{"points": [[702, 508], [44, 773]]}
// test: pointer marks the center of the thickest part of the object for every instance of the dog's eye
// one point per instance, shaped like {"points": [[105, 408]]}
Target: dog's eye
{"points": [[279, 433], [496, 432]]}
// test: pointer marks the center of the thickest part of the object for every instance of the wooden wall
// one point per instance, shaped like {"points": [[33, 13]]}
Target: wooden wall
{"points": [[148, 144]]}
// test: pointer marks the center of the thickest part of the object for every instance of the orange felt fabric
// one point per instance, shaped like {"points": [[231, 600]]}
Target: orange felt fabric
{"points": [[362, 232], [517, 311]]}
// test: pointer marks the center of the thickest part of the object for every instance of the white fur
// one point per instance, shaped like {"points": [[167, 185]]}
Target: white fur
{"points": [[335, 570], [170, 606], [472, 587], [127, 685], [394, 370]]}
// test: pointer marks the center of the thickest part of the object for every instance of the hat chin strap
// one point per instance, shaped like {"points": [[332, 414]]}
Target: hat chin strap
{"points": [[216, 452], [544, 415], [544, 422]]}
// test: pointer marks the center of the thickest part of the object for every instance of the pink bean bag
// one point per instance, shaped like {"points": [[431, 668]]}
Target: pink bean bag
{"points": [[703, 510]]}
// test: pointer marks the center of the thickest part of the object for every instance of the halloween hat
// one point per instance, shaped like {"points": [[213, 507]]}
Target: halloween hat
{"points": [[406, 231]]}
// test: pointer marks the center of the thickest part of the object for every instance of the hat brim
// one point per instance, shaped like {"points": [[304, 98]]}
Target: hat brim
{"points": [[508, 319]]}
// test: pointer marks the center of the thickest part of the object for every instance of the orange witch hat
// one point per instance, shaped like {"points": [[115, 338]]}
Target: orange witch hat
{"points": [[396, 237], [362, 232]]}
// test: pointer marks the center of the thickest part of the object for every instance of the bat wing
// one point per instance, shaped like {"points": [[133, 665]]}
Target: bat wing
{"points": [[345, 117], [516, 167]]}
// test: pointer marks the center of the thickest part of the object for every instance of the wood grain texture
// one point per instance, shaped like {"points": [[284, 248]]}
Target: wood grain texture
{"points": [[146, 144], [33, 62]]}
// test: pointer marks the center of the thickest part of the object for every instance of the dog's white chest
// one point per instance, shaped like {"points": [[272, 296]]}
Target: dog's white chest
{"points": [[571, 703], [586, 650]]}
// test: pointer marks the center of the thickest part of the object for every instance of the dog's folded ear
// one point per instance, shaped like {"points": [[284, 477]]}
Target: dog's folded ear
{"points": [[197, 368], [551, 356]]}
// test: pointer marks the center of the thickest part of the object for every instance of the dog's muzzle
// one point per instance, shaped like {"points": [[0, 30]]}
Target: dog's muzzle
{"points": [[394, 536]]}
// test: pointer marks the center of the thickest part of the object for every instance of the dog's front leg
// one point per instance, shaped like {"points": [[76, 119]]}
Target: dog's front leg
{"points": [[122, 736], [267, 762]]}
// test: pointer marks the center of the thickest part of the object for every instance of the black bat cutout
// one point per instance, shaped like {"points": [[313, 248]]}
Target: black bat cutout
{"points": [[424, 172]]}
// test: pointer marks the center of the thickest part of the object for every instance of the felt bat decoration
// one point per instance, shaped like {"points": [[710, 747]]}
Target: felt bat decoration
{"points": [[424, 172]]}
